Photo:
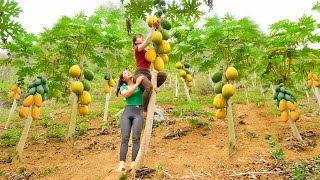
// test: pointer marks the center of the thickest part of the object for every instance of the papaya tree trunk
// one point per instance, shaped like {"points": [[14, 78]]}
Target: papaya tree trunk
{"points": [[177, 86], [194, 80], [105, 116], [13, 108], [72, 126], [146, 137], [272, 88], [231, 130], [23, 137], [170, 81], [316, 93], [70, 138], [261, 89], [308, 97], [186, 90], [245, 88], [294, 128]]}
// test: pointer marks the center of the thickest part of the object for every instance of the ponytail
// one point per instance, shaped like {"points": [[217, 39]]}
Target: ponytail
{"points": [[120, 83]]}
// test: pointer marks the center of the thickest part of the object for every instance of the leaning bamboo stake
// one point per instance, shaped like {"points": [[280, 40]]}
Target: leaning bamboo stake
{"points": [[146, 137], [23, 137], [72, 126], [13, 108]]}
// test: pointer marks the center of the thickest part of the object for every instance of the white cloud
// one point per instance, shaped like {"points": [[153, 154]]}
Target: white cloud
{"points": [[44, 13]]}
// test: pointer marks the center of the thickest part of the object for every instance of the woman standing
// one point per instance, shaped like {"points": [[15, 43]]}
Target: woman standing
{"points": [[132, 115]]}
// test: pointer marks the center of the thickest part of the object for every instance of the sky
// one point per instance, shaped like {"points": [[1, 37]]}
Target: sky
{"points": [[44, 13]]}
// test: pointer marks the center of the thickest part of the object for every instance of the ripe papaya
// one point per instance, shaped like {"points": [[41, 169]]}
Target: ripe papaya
{"points": [[18, 90], [219, 101], [107, 88], [189, 84], [35, 112], [294, 115], [179, 65], [11, 94], [282, 105], [17, 97], [83, 110], [85, 98], [316, 83], [164, 57], [111, 83], [221, 113], [315, 77], [164, 47], [291, 106], [284, 116], [75, 71], [188, 78], [24, 111], [38, 100], [151, 54], [28, 101], [227, 91], [310, 75], [151, 19], [14, 87], [77, 87], [231, 73], [157, 37], [309, 84], [183, 73], [158, 64]]}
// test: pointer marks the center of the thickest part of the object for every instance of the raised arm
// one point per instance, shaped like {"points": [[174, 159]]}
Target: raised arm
{"points": [[127, 93], [145, 43]]}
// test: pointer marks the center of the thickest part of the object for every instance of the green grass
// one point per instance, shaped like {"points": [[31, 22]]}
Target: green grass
{"points": [[56, 130], [9, 138]]}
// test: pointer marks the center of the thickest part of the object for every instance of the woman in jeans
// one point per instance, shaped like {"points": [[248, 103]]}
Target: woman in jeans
{"points": [[143, 66], [132, 115]]}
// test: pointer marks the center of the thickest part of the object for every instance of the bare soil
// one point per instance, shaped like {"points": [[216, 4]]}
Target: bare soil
{"points": [[177, 149]]}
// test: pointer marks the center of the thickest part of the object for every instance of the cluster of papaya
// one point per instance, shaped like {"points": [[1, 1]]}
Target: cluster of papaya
{"points": [[185, 73], [111, 83], [223, 91], [158, 53], [81, 87], [285, 103], [312, 80], [16, 89], [35, 97]]}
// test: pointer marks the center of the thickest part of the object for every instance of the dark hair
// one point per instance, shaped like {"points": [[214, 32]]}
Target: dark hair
{"points": [[120, 82], [135, 38]]}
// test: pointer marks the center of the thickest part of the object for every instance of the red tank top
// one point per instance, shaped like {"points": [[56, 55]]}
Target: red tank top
{"points": [[141, 61]]}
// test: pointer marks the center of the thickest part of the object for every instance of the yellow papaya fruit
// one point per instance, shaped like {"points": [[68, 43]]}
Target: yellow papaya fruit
{"points": [[35, 112], [291, 106], [11, 94], [309, 84], [85, 98], [316, 83], [38, 100], [284, 116], [315, 77], [294, 115], [28, 101], [282, 105], [107, 88], [310, 76], [17, 97], [14, 87], [111, 83], [221, 113], [24, 111], [83, 110], [164, 57], [219, 101], [158, 64]]}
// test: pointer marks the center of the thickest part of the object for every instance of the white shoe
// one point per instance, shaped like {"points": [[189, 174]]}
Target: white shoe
{"points": [[121, 166]]}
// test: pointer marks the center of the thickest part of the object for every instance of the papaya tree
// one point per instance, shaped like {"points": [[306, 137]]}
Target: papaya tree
{"points": [[289, 53], [218, 44]]}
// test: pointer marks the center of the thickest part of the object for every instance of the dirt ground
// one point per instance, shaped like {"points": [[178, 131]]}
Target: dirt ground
{"points": [[190, 153]]}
